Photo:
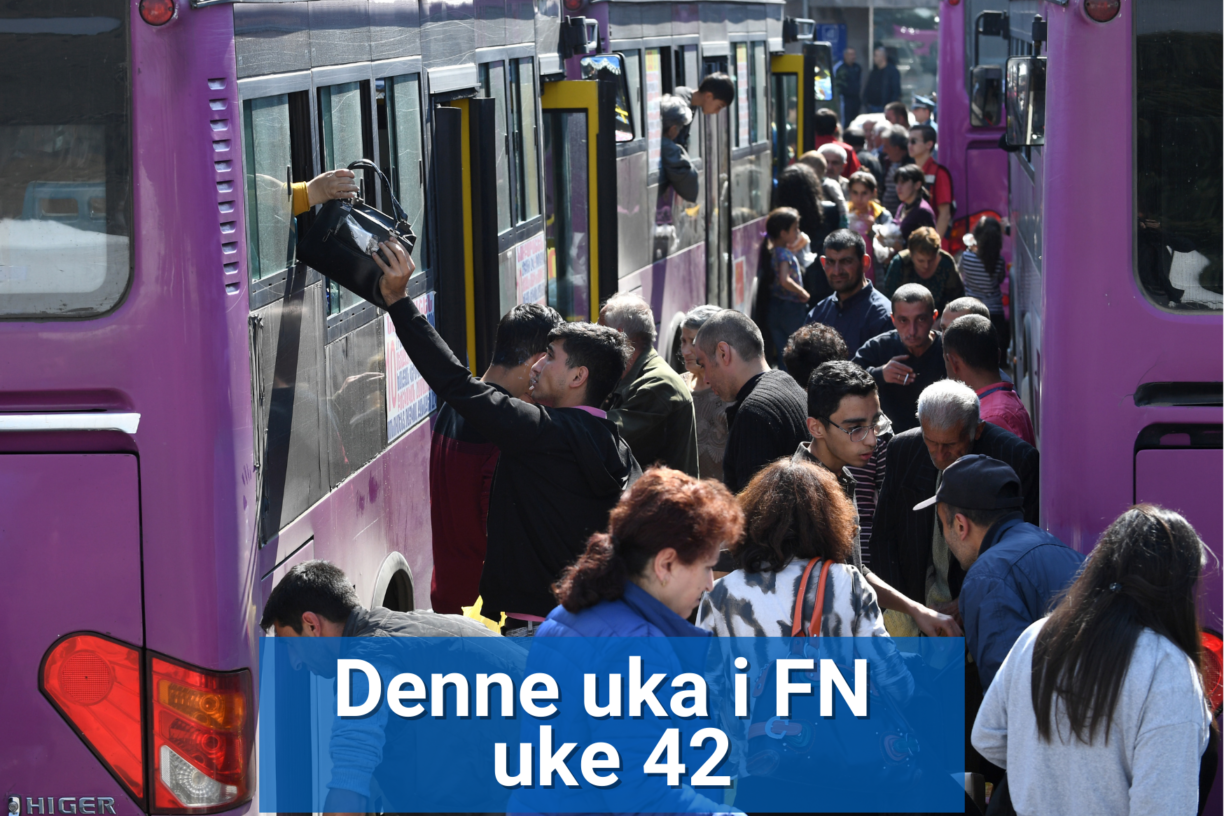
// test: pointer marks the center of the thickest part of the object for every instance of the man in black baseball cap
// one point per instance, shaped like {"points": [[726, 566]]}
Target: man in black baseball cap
{"points": [[1014, 570]]}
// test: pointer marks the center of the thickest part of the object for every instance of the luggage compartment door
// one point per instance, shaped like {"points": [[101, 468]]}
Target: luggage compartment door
{"points": [[1189, 481], [70, 538]]}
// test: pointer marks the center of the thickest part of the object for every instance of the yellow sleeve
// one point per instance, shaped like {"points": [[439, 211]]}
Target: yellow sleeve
{"points": [[301, 200]]}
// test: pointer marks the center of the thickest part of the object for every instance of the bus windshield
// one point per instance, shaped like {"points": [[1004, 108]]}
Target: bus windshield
{"points": [[65, 158], [1178, 150]]}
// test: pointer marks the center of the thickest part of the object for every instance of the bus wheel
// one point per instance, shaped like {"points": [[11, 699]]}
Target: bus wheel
{"points": [[393, 588]]}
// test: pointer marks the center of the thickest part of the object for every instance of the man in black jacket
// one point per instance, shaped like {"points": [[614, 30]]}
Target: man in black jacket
{"points": [[907, 359], [906, 547], [883, 83], [769, 417], [563, 463]]}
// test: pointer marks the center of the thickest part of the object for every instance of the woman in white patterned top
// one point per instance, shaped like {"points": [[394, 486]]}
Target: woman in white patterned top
{"points": [[795, 512]]}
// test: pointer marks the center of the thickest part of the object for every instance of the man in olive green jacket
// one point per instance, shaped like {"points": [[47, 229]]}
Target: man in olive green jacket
{"points": [[651, 405]]}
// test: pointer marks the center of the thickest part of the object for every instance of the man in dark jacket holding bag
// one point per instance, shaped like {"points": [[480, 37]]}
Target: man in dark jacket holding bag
{"points": [[563, 463]]}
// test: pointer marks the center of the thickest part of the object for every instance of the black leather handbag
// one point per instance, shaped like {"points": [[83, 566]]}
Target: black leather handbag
{"points": [[346, 233]]}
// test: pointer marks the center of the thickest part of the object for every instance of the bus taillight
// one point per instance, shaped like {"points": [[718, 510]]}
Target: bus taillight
{"points": [[202, 738], [1213, 664], [94, 683]]}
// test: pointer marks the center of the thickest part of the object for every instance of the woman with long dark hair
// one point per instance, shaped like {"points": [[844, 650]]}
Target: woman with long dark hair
{"points": [[1099, 708], [798, 187], [646, 574]]}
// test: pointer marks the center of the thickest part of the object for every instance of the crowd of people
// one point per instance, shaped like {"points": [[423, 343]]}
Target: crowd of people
{"points": [[582, 486]]}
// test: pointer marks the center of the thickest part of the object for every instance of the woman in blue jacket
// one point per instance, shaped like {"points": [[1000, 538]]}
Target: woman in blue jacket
{"points": [[633, 589]]}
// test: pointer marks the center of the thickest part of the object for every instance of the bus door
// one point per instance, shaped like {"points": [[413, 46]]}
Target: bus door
{"points": [[499, 179], [818, 89], [466, 146], [788, 109], [580, 124], [718, 196], [452, 172]]}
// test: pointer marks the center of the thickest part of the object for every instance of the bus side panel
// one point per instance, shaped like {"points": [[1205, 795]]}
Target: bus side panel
{"points": [[186, 319], [1101, 337], [383, 507]]}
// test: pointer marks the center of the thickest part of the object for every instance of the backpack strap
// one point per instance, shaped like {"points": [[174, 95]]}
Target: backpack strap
{"points": [[818, 610]]}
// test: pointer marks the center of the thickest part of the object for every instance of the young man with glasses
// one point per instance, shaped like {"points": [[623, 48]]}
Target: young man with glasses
{"points": [[845, 421]]}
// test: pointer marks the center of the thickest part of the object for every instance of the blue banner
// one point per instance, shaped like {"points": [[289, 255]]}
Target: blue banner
{"points": [[835, 35], [620, 725]]}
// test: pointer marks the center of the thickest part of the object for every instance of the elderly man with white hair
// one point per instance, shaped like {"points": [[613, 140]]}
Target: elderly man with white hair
{"points": [[651, 405], [835, 156], [907, 546]]}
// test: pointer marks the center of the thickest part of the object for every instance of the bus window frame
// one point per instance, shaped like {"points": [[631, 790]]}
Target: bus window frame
{"points": [[519, 145], [518, 230], [424, 279], [359, 312], [271, 288], [1213, 314]]}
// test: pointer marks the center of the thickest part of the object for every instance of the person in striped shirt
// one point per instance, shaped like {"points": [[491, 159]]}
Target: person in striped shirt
{"points": [[983, 270]]}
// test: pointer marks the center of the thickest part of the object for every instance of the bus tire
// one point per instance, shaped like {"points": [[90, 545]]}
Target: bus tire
{"points": [[393, 589]]}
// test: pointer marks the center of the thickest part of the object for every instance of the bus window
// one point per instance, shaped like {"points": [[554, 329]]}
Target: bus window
{"points": [[633, 73], [268, 154], [493, 80], [654, 120], [786, 104], [613, 64], [65, 161], [692, 78], [742, 114], [1178, 153], [565, 162], [343, 118], [760, 117], [526, 160], [343, 132], [407, 156]]}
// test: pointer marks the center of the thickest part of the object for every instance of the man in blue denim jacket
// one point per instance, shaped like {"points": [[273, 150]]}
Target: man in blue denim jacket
{"points": [[1015, 571]]}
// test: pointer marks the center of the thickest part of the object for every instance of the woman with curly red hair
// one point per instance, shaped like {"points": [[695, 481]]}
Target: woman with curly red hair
{"points": [[647, 573], [641, 578]]}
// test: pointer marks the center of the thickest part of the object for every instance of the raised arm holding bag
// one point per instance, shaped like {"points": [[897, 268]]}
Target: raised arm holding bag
{"points": [[346, 233]]}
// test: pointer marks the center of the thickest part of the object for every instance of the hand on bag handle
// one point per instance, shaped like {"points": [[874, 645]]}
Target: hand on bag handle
{"points": [[366, 164]]}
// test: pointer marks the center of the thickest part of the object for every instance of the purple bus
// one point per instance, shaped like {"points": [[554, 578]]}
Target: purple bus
{"points": [[1114, 114], [970, 81], [186, 412]]}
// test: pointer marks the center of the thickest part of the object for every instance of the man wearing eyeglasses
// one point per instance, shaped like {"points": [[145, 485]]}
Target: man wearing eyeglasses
{"points": [[845, 421]]}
